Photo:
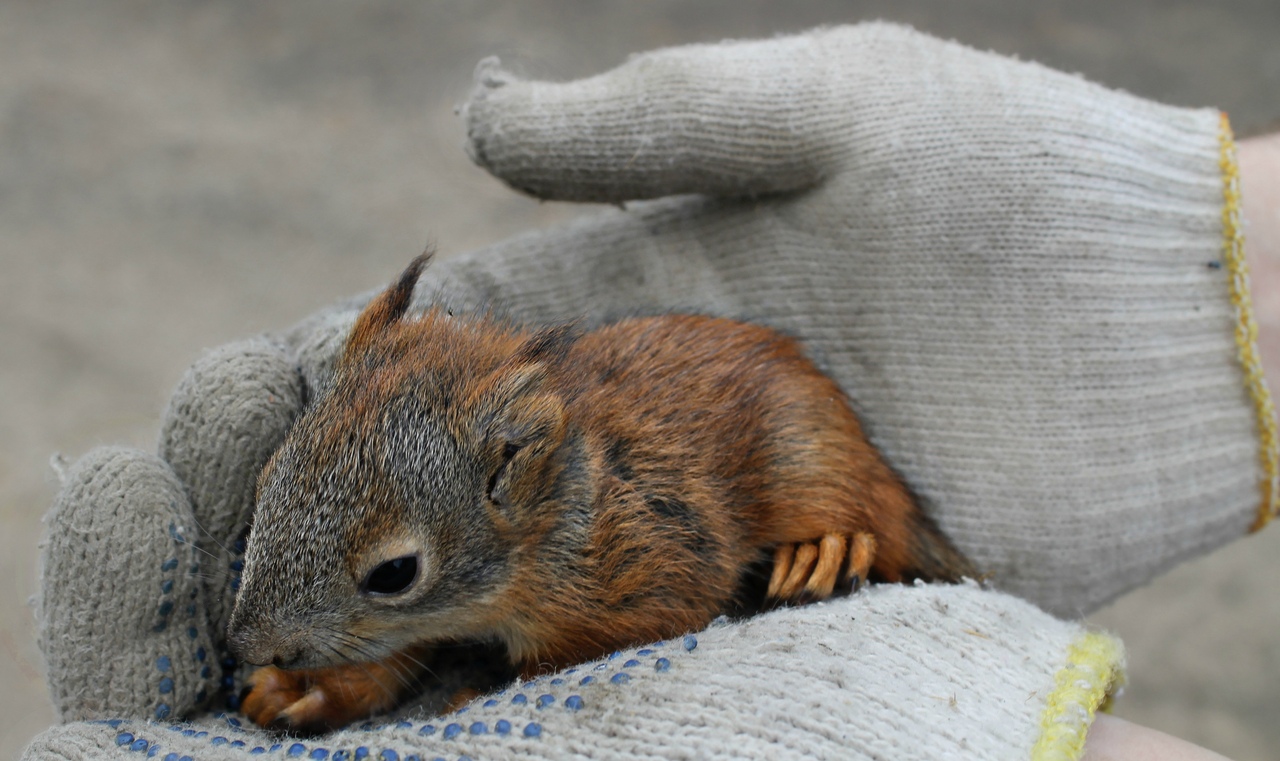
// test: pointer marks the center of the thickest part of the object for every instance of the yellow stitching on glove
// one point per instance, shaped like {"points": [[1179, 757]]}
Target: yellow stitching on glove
{"points": [[1246, 328], [1094, 671]]}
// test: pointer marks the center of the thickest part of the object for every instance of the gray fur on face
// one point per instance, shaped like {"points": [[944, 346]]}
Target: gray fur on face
{"points": [[330, 500]]}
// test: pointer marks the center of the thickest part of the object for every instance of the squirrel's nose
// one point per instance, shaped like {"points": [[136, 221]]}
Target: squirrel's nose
{"points": [[287, 660], [247, 653], [258, 641], [253, 647], [284, 656]]}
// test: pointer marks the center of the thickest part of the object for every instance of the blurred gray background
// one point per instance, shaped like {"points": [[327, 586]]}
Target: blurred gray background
{"points": [[175, 175]]}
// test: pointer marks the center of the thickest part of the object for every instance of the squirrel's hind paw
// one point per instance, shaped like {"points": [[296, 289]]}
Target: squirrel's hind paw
{"points": [[808, 571]]}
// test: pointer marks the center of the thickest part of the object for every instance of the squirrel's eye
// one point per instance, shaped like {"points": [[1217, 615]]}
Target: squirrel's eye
{"points": [[392, 577]]}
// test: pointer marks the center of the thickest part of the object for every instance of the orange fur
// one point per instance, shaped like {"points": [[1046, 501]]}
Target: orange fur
{"points": [[313, 700]]}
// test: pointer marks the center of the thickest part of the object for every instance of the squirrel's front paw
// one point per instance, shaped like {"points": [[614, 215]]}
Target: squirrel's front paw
{"points": [[310, 701]]}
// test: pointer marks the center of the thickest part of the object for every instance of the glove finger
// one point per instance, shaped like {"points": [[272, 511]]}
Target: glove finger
{"points": [[228, 414], [730, 119], [317, 344], [121, 619]]}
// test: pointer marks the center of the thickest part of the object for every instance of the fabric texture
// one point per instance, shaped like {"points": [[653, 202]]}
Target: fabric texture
{"points": [[923, 672], [1016, 275]]}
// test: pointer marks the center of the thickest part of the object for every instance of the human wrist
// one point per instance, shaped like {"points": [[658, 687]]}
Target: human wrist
{"points": [[1259, 159], [1113, 739], [1260, 195]]}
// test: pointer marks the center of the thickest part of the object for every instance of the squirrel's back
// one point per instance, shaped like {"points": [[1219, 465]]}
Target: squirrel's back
{"points": [[687, 398], [710, 442]]}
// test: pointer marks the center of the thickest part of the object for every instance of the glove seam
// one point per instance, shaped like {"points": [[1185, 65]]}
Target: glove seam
{"points": [[1246, 330]]}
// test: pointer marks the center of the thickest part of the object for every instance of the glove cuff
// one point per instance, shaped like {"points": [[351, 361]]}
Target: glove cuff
{"points": [[1246, 330]]}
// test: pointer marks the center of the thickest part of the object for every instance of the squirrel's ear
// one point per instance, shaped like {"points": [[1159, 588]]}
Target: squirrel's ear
{"points": [[526, 433], [520, 422], [386, 308], [507, 386], [550, 344], [525, 373], [532, 419]]}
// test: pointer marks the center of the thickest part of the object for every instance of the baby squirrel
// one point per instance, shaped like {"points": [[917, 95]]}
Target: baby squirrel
{"points": [[565, 493]]}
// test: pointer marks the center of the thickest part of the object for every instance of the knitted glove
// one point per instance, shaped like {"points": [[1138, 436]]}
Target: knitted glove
{"points": [[1026, 282], [1032, 287], [143, 556], [923, 672], [1019, 276]]}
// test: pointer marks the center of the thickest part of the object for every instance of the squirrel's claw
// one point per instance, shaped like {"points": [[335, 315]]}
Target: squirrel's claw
{"points": [[862, 552], [809, 571], [783, 558], [803, 560]]}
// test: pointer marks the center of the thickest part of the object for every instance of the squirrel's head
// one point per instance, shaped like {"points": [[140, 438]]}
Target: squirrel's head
{"points": [[401, 502]]}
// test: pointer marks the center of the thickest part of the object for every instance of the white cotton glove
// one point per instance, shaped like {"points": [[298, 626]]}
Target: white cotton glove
{"points": [[924, 672]]}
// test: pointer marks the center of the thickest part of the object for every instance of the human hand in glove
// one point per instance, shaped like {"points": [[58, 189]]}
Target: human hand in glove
{"points": [[1031, 286]]}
